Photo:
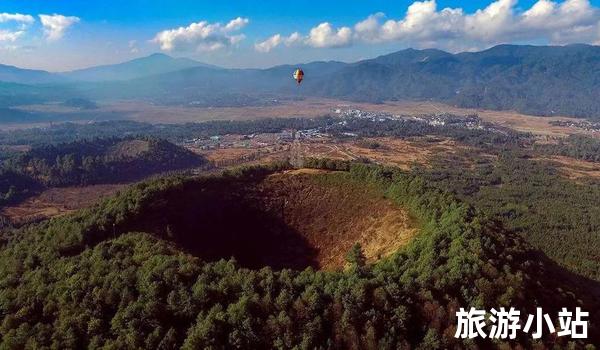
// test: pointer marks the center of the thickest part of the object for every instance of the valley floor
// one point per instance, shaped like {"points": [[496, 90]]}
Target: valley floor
{"points": [[306, 108]]}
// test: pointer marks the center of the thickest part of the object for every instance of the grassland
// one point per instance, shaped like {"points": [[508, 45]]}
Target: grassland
{"points": [[308, 108], [58, 201]]}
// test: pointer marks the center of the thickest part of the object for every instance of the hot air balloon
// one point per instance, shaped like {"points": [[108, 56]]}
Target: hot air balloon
{"points": [[298, 75]]}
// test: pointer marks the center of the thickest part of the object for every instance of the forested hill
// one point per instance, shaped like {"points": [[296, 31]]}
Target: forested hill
{"points": [[86, 162], [541, 80], [101, 160], [95, 280]]}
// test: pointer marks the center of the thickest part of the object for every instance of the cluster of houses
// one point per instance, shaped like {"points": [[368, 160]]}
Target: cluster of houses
{"points": [[584, 124], [441, 119], [358, 113], [468, 122], [287, 136], [254, 140], [226, 141]]}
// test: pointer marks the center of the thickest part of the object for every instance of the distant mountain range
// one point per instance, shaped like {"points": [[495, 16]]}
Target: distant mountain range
{"points": [[157, 63], [154, 64], [12, 74], [543, 80]]}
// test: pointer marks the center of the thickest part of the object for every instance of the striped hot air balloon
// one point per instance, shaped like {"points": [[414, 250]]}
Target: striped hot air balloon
{"points": [[298, 75]]}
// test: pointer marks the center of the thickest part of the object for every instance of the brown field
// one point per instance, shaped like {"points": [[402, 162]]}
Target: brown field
{"points": [[392, 151], [402, 153], [225, 154], [314, 107], [130, 148], [57, 201], [514, 120], [310, 107], [317, 107], [575, 169]]}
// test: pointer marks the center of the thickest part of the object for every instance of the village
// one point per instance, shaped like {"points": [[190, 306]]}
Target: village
{"points": [[257, 141], [333, 140], [585, 125]]}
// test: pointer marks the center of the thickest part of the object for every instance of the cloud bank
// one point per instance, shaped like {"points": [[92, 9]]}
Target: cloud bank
{"points": [[201, 36], [424, 25]]}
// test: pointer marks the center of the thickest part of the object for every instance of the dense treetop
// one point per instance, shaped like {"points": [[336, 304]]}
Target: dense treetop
{"points": [[85, 162], [92, 279]]}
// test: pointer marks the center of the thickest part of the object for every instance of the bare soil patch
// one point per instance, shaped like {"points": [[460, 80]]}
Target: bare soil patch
{"points": [[292, 220], [57, 201], [333, 214], [129, 149], [402, 153], [575, 169]]}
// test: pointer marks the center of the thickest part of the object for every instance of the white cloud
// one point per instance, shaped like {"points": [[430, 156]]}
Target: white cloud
{"points": [[294, 39], [321, 36], [14, 27], [369, 29], [422, 22], [7, 35], [236, 24], [55, 25], [451, 28], [572, 20], [202, 36], [491, 23], [276, 40], [324, 35], [424, 25], [16, 17], [269, 44]]}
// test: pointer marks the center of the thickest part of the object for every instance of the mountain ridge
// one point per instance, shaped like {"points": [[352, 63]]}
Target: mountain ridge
{"points": [[155, 63], [13, 74], [538, 80]]}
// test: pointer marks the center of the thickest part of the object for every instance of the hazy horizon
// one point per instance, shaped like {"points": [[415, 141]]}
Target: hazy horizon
{"points": [[61, 36], [292, 63]]}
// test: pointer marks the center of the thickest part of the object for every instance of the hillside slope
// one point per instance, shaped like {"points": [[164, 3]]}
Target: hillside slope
{"points": [[90, 280], [540, 80], [12, 74], [145, 66], [530, 79], [80, 163], [101, 161]]}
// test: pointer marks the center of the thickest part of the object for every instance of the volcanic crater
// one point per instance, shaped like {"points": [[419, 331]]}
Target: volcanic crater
{"points": [[292, 219]]}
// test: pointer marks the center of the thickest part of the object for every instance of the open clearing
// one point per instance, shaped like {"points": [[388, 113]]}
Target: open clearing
{"points": [[575, 169], [307, 108], [314, 107], [57, 201], [402, 153], [391, 151]]}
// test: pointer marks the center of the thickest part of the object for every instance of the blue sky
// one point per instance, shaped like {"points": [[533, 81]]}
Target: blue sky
{"points": [[73, 34]]}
